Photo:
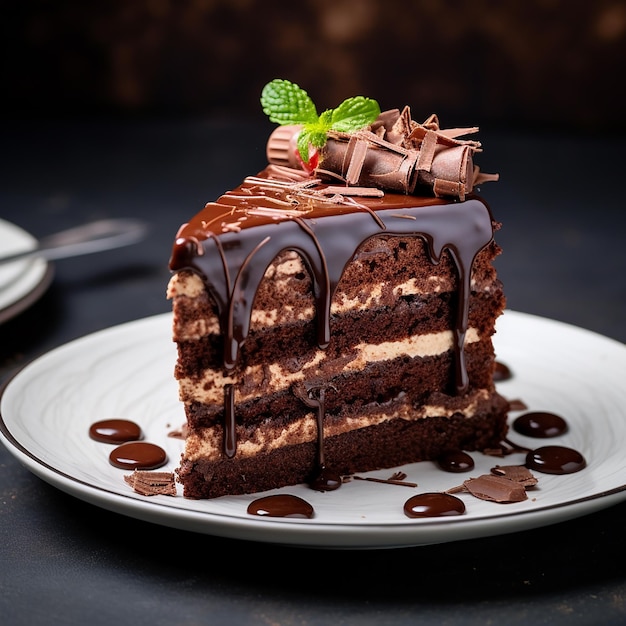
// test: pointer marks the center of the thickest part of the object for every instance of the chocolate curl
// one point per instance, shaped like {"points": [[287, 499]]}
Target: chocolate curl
{"points": [[401, 155], [441, 162], [396, 154]]}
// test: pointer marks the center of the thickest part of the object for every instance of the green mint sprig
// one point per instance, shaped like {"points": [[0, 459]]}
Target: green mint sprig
{"points": [[287, 103]]}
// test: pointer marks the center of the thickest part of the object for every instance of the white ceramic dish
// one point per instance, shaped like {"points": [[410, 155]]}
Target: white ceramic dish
{"points": [[126, 372], [24, 281]]}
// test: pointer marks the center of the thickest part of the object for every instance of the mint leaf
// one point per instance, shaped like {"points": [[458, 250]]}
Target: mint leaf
{"points": [[326, 119], [286, 103], [354, 113]]}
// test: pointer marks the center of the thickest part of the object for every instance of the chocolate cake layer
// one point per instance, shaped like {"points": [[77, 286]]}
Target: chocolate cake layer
{"points": [[388, 444]]}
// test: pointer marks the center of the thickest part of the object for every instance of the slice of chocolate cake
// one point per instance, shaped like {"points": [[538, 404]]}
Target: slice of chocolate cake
{"points": [[338, 320]]}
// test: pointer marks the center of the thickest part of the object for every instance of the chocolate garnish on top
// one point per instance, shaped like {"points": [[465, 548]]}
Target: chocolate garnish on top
{"points": [[395, 154]]}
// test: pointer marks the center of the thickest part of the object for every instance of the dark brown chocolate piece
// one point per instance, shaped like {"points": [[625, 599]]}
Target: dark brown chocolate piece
{"points": [[517, 473], [496, 489], [152, 483]]}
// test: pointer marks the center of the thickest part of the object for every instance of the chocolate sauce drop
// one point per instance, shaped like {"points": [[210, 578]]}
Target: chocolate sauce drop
{"points": [[325, 479], [502, 372], [138, 455], [433, 505], [115, 431], [281, 505], [540, 424], [555, 460], [455, 461]]}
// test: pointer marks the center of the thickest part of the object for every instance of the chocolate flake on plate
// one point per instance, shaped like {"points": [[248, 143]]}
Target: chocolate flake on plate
{"points": [[496, 489], [396, 478], [517, 473], [152, 483]]}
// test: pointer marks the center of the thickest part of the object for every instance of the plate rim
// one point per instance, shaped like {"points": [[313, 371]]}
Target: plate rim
{"points": [[36, 288], [334, 534]]}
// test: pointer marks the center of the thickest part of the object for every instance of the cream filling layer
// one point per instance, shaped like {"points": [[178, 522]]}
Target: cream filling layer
{"points": [[191, 286], [207, 443], [208, 389]]}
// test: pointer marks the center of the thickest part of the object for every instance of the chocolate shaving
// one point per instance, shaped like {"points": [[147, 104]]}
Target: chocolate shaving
{"points": [[496, 489], [395, 479], [366, 192], [517, 473], [400, 155], [152, 483]]}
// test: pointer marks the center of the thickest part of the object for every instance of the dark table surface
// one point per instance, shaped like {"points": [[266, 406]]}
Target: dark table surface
{"points": [[63, 561]]}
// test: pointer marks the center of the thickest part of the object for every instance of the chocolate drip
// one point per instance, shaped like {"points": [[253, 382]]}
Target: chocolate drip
{"points": [[230, 435], [234, 240], [323, 478]]}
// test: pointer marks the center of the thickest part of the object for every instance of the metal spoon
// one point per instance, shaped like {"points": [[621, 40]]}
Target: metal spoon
{"points": [[91, 237]]}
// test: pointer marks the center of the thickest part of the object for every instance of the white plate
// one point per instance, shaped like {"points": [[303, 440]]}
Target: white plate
{"points": [[24, 281], [127, 372]]}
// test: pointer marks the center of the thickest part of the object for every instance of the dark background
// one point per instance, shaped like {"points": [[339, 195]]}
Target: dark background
{"points": [[537, 63]]}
